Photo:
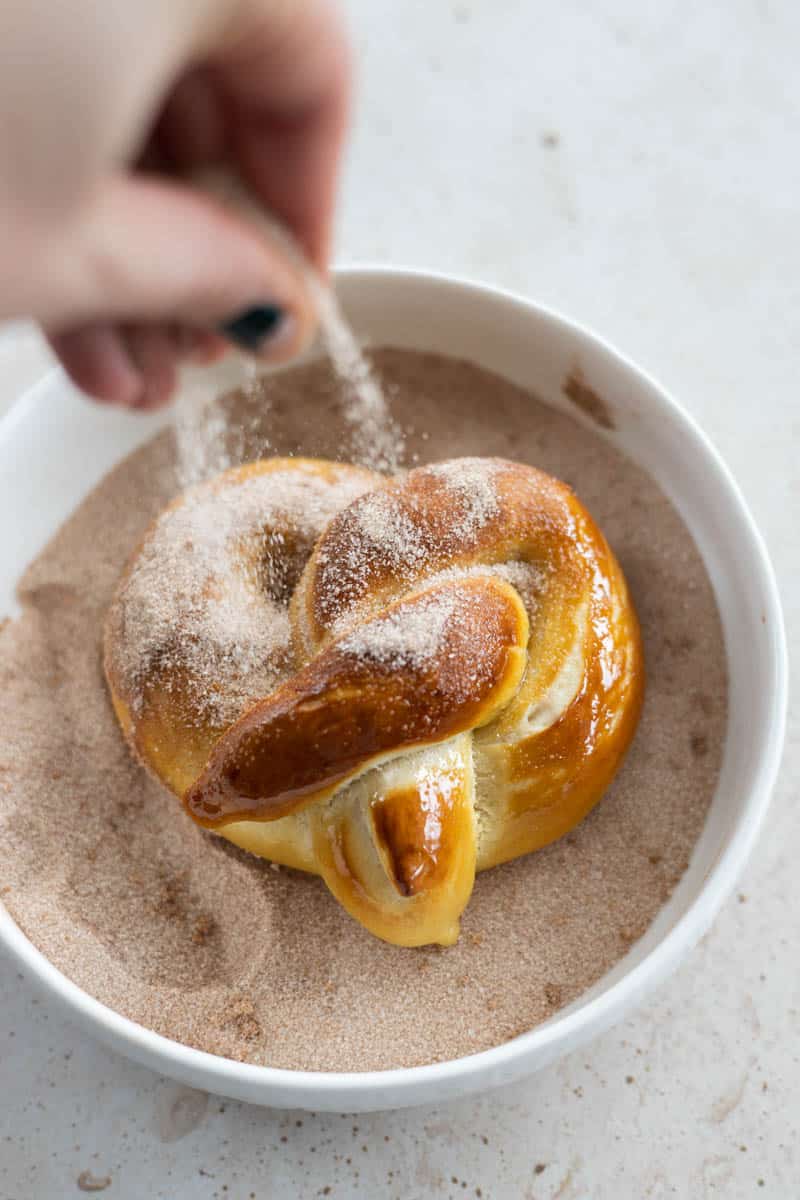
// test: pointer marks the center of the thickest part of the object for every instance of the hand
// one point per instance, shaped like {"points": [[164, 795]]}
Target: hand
{"points": [[107, 109]]}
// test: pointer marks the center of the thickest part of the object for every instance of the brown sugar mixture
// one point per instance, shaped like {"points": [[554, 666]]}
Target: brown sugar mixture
{"points": [[180, 931]]}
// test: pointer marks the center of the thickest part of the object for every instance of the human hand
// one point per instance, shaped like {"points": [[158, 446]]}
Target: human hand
{"points": [[103, 239]]}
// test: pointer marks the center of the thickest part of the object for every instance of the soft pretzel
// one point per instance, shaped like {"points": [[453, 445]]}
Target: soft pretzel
{"points": [[459, 677]]}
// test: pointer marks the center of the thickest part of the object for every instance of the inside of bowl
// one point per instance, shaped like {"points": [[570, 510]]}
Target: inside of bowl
{"points": [[541, 353]]}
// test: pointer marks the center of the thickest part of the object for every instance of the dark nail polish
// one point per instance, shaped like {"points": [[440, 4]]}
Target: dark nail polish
{"points": [[251, 328]]}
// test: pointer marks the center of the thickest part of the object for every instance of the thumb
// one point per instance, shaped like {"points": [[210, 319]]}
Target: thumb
{"points": [[161, 251]]}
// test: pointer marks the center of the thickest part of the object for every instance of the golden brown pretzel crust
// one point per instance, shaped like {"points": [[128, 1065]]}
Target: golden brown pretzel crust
{"points": [[468, 677], [344, 711]]}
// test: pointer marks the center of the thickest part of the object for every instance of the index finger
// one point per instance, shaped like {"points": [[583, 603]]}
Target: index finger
{"points": [[284, 76]]}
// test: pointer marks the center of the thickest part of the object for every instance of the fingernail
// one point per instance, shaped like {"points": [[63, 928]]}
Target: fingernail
{"points": [[259, 327]]}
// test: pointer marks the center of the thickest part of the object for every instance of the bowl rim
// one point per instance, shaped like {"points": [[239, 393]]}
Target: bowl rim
{"points": [[302, 1088]]}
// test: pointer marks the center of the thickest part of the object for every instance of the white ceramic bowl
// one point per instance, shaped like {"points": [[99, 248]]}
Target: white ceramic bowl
{"points": [[53, 449]]}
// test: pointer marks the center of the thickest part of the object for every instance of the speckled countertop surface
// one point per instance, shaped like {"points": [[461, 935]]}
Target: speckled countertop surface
{"points": [[640, 171]]}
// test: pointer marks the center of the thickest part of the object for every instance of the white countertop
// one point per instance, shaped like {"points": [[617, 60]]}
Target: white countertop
{"points": [[666, 216]]}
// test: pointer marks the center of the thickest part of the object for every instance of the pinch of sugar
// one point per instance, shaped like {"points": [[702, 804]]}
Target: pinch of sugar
{"points": [[375, 439], [202, 426]]}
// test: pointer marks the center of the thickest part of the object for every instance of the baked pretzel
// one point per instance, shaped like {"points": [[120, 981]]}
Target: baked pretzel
{"points": [[462, 675]]}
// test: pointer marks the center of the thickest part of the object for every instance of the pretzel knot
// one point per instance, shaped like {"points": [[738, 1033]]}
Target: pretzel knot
{"points": [[461, 676]]}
